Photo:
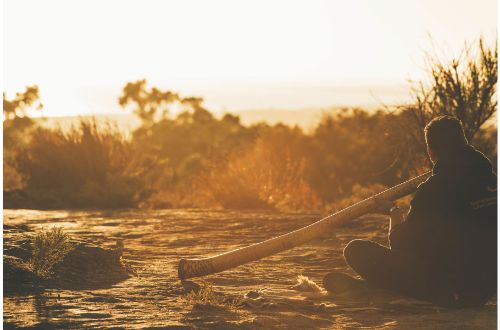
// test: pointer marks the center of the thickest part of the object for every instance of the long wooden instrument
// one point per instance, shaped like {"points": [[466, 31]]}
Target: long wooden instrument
{"points": [[200, 267]]}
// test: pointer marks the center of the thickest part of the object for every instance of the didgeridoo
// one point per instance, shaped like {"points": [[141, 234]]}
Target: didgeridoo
{"points": [[189, 268]]}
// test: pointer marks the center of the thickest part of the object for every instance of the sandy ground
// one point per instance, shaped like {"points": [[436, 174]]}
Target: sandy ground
{"points": [[256, 295]]}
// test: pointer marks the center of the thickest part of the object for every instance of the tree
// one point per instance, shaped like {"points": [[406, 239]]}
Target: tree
{"points": [[18, 106], [147, 103], [16, 126]]}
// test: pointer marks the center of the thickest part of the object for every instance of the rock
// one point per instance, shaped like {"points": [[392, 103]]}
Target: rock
{"points": [[252, 294], [85, 266], [89, 267], [190, 286], [17, 276]]}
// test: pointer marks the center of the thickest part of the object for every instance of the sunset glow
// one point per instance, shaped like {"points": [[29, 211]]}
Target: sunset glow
{"points": [[238, 55]]}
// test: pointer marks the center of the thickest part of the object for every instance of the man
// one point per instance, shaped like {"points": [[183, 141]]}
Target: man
{"points": [[445, 249]]}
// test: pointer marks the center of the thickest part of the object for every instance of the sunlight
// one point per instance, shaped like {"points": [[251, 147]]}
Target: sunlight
{"points": [[216, 49], [250, 164]]}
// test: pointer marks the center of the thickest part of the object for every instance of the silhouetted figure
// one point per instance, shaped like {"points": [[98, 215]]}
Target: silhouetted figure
{"points": [[445, 251]]}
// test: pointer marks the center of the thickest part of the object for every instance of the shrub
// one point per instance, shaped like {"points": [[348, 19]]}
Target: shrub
{"points": [[354, 147], [85, 167], [207, 297], [464, 87], [358, 194], [17, 127], [268, 175], [48, 248]]}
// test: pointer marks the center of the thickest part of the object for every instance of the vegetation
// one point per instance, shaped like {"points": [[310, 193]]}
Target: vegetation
{"points": [[48, 248], [17, 126], [85, 167], [269, 174], [194, 159], [206, 296], [464, 87]]}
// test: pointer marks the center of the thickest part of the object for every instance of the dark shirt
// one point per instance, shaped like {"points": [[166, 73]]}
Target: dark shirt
{"points": [[452, 222]]}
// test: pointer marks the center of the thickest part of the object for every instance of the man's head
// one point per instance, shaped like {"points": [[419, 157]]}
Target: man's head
{"points": [[444, 135]]}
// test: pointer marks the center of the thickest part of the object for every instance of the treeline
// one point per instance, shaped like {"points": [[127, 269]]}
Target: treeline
{"points": [[195, 159]]}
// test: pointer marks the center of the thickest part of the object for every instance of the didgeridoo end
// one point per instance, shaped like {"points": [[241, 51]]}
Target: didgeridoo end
{"points": [[189, 268]]}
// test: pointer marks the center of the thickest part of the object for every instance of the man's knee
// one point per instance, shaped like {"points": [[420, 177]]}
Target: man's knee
{"points": [[355, 251]]}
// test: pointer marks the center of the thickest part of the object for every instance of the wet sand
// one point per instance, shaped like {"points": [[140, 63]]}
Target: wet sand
{"points": [[256, 295]]}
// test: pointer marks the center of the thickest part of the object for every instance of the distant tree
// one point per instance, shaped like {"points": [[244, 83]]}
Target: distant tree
{"points": [[354, 146], [464, 87], [147, 103], [174, 149], [17, 126], [16, 120], [18, 106]]}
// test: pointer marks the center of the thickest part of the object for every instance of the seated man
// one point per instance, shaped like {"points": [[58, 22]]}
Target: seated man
{"points": [[445, 251]]}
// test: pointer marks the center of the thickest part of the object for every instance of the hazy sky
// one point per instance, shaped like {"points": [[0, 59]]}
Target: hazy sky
{"points": [[236, 54]]}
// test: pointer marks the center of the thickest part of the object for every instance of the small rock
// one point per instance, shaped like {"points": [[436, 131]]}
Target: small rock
{"points": [[252, 294], [321, 307], [190, 286]]}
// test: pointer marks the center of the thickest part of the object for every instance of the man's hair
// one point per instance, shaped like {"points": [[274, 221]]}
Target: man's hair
{"points": [[444, 135]]}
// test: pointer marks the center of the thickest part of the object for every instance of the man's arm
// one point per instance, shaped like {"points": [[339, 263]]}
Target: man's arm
{"points": [[410, 232]]}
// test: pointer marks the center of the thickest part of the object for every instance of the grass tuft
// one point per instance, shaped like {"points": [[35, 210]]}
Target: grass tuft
{"points": [[206, 296], [305, 284], [48, 248]]}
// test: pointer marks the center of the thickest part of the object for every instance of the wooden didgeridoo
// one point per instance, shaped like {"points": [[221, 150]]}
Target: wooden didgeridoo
{"points": [[189, 268]]}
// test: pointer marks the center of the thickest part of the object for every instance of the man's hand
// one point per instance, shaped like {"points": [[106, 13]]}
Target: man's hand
{"points": [[384, 206], [397, 216]]}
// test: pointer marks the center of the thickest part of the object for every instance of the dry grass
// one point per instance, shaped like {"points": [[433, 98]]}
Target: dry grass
{"points": [[305, 284], [267, 176], [206, 296], [48, 248], [87, 166]]}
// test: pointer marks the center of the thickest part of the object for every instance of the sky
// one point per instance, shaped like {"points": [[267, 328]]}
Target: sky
{"points": [[238, 55]]}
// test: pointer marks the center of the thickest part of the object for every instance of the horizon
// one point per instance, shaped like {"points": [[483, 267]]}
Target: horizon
{"points": [[126, 122]]}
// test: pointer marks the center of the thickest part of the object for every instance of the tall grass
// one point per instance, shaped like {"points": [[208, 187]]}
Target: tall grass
{"points": [[85, 167], [268, 175]]}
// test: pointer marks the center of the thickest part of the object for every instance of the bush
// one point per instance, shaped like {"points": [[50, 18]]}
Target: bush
{"points": [[16, 135], [86, 167], [354, 147], [358, 194], [464, 87], [268, 175], [17, 127], [48, 248], [207, 297]]}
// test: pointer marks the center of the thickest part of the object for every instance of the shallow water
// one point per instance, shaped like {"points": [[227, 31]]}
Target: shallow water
{"points": [[156, 240]]}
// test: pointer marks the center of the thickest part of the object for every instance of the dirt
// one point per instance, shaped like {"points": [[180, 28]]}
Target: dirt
{"points": [[261, 294]]}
